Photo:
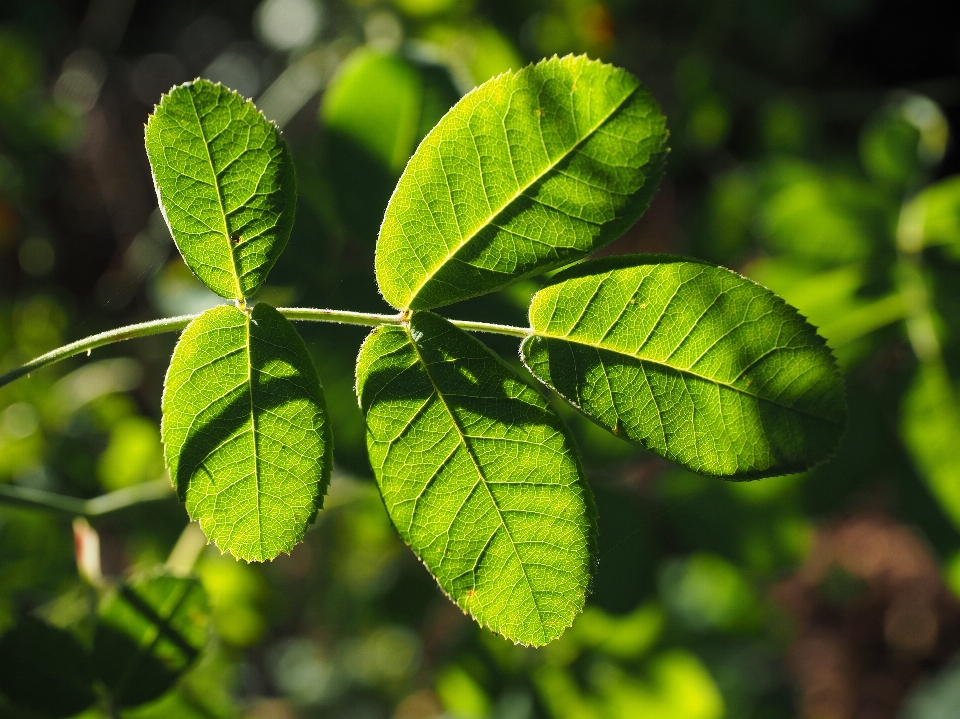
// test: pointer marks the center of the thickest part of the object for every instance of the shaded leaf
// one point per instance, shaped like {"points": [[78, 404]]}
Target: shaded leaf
{"points": [[149, 631], [245, 431], [691, 361], [45, 670], [226, 184], [479, 477], [530, 171]]}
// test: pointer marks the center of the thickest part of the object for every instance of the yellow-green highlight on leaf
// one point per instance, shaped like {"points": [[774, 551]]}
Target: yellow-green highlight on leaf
{"points": [[226, 184], [245, 430], [149, 631], [529, 172], [478, 476], [930, 425], [691, 361]]}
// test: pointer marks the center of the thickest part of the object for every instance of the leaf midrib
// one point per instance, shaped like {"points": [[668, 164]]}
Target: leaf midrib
{"points": [[480, 474], [494, 214], [253, 432], [216, 186], [687, 372]]}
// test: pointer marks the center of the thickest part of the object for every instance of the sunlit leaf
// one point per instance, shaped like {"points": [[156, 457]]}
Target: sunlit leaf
{"points": [[479, 477], [530, 171], [691, 361], [226, 184], [244, 426], [45, 670], [930, 425], [149, 631]]}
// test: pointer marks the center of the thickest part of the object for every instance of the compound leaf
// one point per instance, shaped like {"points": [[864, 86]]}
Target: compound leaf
{"points": [[245, 430], [226, 184], [149, 631], [45, 670], [479, 477], [530, 171], [691, 361]]}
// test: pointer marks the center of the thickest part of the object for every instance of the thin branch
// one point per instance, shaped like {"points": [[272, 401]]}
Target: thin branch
{"points": [[175, 324], [157, 490]]}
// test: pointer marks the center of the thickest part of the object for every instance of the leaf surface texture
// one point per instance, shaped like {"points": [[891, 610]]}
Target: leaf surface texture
{"points": [[479, 477], [245, 430], [530, 171], [226, 184], [691, 361]]}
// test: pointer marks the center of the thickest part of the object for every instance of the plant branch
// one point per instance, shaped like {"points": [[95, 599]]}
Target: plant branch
{"points": [[174, 324], [157, 490]]}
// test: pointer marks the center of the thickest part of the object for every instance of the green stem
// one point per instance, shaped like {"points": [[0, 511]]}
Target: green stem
{"points": [[174, 324], [160, 489]]}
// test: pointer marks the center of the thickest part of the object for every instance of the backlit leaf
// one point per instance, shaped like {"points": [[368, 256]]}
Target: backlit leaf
{"points": [[149, 631], [530, 171], [226, 184], [691, 361], [245, 431], [479, 477]]}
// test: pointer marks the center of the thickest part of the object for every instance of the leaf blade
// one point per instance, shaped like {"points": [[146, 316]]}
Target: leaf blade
{"points": [[245, 430], [476, 471], [486, 200], [650, 375], [225, 181]]}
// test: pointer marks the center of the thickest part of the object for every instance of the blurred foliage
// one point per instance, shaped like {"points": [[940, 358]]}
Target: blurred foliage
{"points": [[812, 150]]}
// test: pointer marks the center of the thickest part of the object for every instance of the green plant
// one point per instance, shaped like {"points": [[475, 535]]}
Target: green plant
{"points": [[529, 173]]}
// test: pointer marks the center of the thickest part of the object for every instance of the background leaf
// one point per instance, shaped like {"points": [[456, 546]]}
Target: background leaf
{"points": [[479, 477], [245, 430], [226, 184], [530, 171], [149, 631], [691, 361], [374, 113], [930, 425], [45, 670]]}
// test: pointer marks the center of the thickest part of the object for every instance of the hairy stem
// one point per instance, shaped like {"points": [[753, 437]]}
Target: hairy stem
{"points": [[160, 489], [175, 324]]}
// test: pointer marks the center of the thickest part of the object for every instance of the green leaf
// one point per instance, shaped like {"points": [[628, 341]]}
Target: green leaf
{"points": [[149, 631], [374, 113], [45, 670], [691, 361], [245, 430], [479, 477], [930, 425], [937, 212], [226, 184], [530, 171]]}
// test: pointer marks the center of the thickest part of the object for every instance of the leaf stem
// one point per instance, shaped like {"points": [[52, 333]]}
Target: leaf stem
{"points": [[174, 324], [97, 507]]}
